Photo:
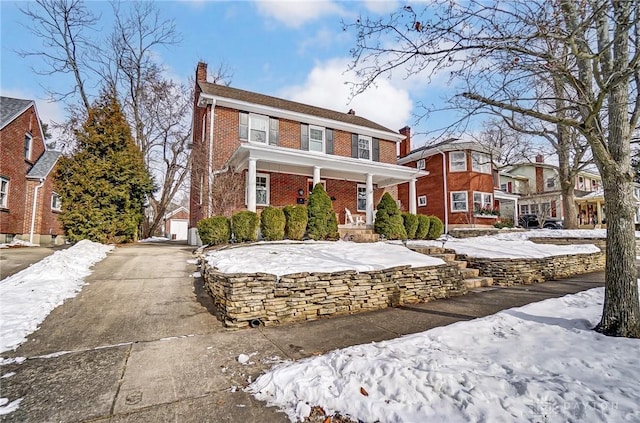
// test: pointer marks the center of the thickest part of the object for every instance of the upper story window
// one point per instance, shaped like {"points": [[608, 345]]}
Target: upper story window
{"points": [[551, 182], [421, 164], [364, 147], [480, 162], [28, 139], [56, 202], [457, 161], [316, 139], [258, 128], [594, 185], [4, 192]]}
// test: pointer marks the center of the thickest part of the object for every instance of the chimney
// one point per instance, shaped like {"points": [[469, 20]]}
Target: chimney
{"points": [[405, 144], [351, 112], [201, 72], [539, 158]]}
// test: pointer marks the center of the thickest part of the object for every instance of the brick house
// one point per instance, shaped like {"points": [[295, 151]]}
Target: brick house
{"points": [[461, 184], [28, 203], [277, 150]]}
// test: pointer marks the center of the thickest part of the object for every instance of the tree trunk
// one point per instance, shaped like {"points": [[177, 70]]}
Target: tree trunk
{"points": [[570, 220]]}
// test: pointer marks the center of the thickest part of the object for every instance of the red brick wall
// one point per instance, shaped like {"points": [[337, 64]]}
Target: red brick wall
{"points": [[49, 223]]}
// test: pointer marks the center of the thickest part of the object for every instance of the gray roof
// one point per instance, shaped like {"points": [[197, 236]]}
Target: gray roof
{"points": [[44, 165], [11, 108], [292, 106]]}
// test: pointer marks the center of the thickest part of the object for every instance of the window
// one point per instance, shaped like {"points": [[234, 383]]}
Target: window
{"points": [[262, 189], [422, 200], [594, 185], [480, 162], [201, 189], [204, 126], [364, 147], [258, 128], [524, 209], [459, 201], [503, 187], [457, 161], [551, 182], [244, 126], [482, 201], [27, 146], [316, 139], [56, 203], [4, 192], [362, 198], [421, 164]]}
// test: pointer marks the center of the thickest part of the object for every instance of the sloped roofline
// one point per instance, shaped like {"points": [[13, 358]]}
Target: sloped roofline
{"points": [[24, 109]]}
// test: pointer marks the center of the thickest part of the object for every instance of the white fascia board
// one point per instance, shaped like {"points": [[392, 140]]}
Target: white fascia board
{"points": [[501, 195], [459, 146], [298, 117]]}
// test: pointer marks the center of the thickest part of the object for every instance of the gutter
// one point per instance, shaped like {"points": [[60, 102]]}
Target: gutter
{"points": [[446, 196], [34, 208]]}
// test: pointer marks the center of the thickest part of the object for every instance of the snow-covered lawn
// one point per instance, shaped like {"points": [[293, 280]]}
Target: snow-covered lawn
{"points": [[18, 243], [537, 363], [155, 239], [554, 233], [27, 297]]}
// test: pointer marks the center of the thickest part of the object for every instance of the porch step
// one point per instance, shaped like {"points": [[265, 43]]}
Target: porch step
{"points": [[478, 282], [468, 273]]}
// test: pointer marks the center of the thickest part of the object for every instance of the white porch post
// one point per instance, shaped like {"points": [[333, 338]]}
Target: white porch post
{"points": [[369, 188], [413, 208], [316, 175], [251, 186], [515, 212], [599, 211]]}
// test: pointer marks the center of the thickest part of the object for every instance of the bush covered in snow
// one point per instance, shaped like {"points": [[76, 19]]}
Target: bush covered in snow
{"points": [[214, 230], [296, 222], [272, 223], [245, 226]]}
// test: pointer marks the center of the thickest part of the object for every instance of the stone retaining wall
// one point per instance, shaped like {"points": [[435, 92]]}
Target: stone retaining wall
{"points": [[243, 298], [507, 272]]}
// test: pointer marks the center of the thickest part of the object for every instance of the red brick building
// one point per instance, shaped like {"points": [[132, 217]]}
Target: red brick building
{"points": [[278, 150], [461, 183], [28, 204]]}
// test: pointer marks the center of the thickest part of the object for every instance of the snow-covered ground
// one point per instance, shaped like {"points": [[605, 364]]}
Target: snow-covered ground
{"points": [[18, 243], [554, 233], [155, 239], [27, 297], [537, 363]]}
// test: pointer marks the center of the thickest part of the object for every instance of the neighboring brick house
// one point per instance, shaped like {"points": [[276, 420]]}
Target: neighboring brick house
{"points": [[461, 183], [28, 204], [176, 223], [279, 149]]}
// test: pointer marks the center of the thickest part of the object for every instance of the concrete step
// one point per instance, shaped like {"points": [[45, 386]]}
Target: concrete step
{"points": [[478, 282], [468, 273]]}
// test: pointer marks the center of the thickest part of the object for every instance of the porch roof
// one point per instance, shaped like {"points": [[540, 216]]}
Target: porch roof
{"points": [[299, 162]]}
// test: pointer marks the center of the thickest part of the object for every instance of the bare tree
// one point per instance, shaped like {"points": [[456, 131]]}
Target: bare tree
{"points": [[498, 51]]}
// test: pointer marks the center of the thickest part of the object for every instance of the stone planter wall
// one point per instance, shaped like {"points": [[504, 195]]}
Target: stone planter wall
{"points": [[507, 272], [263, 298]]}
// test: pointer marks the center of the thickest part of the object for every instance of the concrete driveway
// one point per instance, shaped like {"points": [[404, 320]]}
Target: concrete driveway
{"points": [[141, 343], [13, 260]]}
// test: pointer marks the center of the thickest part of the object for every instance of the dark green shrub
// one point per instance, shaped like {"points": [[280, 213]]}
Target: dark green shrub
{"points": [[272, 224], [389, 222], [423, 226], [245, 226], [504, 223], [410, 224], [214, 230], [296, 222], [322, 222], [436, 228]]}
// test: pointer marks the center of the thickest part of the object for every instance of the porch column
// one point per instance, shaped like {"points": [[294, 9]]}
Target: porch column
{"points": [[515, 212], [413, 209], [599, 211], [369, 188], [251, 186], [316, 175]]}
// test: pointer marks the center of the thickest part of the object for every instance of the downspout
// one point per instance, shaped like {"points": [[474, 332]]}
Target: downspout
{"points": [[211, 173], [446, 197], [34, 208]]}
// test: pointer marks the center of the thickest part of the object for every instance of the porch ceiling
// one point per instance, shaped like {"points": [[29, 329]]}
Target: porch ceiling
{"points": [[298, 162]]}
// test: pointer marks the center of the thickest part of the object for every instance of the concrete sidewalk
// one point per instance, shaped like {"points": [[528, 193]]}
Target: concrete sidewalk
{"points": [[140, 343]]}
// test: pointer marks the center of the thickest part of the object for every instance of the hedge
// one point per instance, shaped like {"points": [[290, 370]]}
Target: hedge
{"points": [[272, 223], [436, 228], [424, 222], [296, 222], [410, 224], [214, 230], [245, 226]]}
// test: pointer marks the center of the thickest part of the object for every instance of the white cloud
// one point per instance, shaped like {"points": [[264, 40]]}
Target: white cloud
{"points": [[324, 38], [326, 86], [381, 6], [295, 13]]}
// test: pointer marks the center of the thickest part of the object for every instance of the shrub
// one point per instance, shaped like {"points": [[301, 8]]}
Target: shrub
{"points": [[245, 226], [272, 224], [322, 222], [296, 222], [423, 226], [214, 230], [436, 228], [410, 224], [504, 223], [389, 222]]}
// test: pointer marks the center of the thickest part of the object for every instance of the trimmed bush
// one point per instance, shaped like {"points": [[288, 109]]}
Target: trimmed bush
{"points": [[245, 226], [389, 222], [272, 224], [296, 222], [410, 224], [436, 228], [214, 230], [423, 226], [322, 222]]}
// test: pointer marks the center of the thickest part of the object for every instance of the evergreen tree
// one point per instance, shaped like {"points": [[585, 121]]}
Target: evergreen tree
{"points": [[104, 184], [322, 223], [389, 221]]}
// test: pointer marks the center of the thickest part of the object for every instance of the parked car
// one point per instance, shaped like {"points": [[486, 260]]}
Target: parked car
{"points": [[530, 221]]}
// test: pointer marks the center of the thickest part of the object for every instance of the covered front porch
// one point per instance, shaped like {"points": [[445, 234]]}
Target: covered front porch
{"points": [[318, 167], [591, 210]]}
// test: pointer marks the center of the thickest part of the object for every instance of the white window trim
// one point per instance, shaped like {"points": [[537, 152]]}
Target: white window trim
{"points": [[53, 196], [551, 182], [476, 166], [267, 177], [4, 203], [421, 164], [466, 206], [451, 166], [324, 138], [28, 153], [422, 200], [482, 199], [363, 186], [370, 141], [252, 118]]}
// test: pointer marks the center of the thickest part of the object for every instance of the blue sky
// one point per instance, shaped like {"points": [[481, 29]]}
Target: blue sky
{"points": [[296, 50]]}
